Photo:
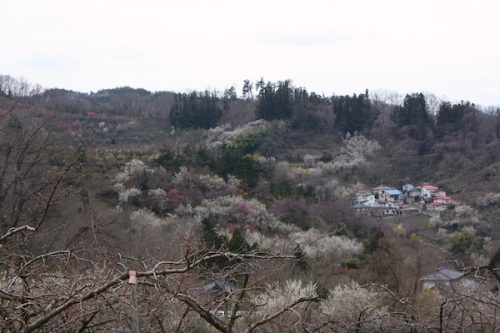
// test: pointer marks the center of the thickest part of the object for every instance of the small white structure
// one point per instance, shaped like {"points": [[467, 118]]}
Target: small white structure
{"points": [[408, 188], [428, 190], [309, 160], [442, 199], [366, 198], [390, 212], [438, 193]]}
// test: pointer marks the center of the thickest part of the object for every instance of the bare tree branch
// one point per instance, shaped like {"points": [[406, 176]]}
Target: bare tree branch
{"points": [[261, 322]]}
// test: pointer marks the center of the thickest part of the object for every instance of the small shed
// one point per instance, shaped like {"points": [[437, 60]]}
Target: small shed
{"points": [[218, 287], [443, 278]]}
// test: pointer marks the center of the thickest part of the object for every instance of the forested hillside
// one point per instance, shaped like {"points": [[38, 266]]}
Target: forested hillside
{"points": [[214, 211]]}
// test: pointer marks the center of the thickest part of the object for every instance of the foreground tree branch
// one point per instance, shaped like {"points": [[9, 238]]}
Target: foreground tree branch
{"points": [[275, 315], [187, 265]]}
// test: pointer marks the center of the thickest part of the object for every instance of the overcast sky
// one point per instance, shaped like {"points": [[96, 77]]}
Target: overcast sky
{"points": [[448, 47]]}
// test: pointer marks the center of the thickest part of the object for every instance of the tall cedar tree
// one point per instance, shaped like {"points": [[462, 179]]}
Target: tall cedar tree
{"points": [[353, 114], [276, 101], [196, 110], [456, 117], [415, 114]]}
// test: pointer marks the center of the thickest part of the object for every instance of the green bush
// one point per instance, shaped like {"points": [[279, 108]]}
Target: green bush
{"points": [[169, 161], [351, 263], [466, 242]]}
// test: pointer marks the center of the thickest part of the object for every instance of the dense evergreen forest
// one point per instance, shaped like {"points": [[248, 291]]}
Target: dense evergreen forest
{"points": [[130, 210]]}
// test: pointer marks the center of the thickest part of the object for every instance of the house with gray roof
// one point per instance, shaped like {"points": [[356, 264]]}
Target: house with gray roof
{"points": [[443, 278]]}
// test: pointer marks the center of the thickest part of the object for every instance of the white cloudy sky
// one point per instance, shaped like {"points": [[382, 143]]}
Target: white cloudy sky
{"points": [[448, 47]]}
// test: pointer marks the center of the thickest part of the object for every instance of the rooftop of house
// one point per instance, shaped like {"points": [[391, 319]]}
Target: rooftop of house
{"points": [[218, 286], [430, 187], [392, 192], [438, 204], [443, 274]]}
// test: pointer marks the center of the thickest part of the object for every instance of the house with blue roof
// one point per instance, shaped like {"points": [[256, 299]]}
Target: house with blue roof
{"points": [[390, 195]]}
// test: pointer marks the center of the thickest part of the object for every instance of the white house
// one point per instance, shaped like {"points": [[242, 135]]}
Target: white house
{"points": [[428, 190], [366, 198], [438, 193], [414, 193], [408, 188]]}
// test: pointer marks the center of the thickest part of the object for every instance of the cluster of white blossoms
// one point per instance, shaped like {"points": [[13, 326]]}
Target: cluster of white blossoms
{"points": [[131, 168], [263, 159], [185, 178], [221, 136], [489, 200], [351, 302], [147, 217], [435, 220], [331, 189], [465, 214], [158, 199], [359, 147], [348, 303], [354, 153], [312, 243], [286, 171], [212, 182], [158, 192], [272, 244], [233, 181], [282, 171], [249, 212], [315, 244], [279, 296], [306, 173], [325, 186], [144, 216], [127, 193]]}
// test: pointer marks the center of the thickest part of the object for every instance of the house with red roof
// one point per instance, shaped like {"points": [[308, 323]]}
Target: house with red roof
{"points": [[442, 199], [427, 190], [437, 206]]}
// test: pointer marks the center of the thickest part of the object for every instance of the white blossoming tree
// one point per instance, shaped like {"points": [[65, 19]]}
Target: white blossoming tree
{"points": [[219, 137], [351, 307]]}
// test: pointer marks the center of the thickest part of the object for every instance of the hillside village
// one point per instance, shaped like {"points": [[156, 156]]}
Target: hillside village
{"points": [[238, 220], [384, 201], [232, 167]]}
